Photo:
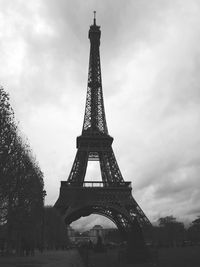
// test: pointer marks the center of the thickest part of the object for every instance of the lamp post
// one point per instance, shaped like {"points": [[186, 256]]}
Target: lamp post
{"points": [[43, 221]]}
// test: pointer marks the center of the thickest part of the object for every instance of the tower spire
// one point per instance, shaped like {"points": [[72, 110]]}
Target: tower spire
{"points": [[94, 119], [94, 17]]}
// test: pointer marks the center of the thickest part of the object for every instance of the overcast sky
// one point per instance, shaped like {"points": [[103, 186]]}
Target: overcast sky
{"points": [[150, 61]]}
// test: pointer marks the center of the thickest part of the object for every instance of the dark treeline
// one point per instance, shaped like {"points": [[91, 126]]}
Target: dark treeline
{"points": [[171, 233], [168, 232], [55, 230], [21, 187]]}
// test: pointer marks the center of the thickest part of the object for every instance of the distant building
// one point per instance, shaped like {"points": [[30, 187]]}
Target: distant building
{"points": [[107, 235], [76, 237], [95, 232], [71, 234]]}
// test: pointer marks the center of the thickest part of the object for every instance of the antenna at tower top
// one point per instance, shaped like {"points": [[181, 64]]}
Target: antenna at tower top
{"points": [[94, 17]]}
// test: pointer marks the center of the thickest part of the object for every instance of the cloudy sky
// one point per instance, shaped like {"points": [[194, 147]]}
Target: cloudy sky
{"points": [[150, 59]]}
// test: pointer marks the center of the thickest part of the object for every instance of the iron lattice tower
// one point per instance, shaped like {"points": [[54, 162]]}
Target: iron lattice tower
{"points": [[112, 196]]}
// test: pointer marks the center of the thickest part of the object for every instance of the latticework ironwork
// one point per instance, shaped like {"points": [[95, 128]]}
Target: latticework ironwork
{"points": [[112, 196]]}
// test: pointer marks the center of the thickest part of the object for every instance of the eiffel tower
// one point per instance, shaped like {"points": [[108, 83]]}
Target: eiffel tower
{"points": [[112, 196]]}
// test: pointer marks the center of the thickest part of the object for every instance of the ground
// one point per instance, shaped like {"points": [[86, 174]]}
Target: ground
{"points": [[69, 258], [166, 257]]}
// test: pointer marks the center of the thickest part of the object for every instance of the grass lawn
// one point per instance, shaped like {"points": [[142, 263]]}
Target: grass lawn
{"points": [[167, 257], [69, 258], [179, 257]]}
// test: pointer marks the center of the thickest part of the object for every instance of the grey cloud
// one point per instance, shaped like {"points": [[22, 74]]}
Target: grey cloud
{"points": [[174, 186], [193, 211]]}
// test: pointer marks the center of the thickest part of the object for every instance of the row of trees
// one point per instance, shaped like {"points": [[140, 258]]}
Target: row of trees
{"points": [[21, 186], [55, 230], [193, 231], [169, 232]]}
